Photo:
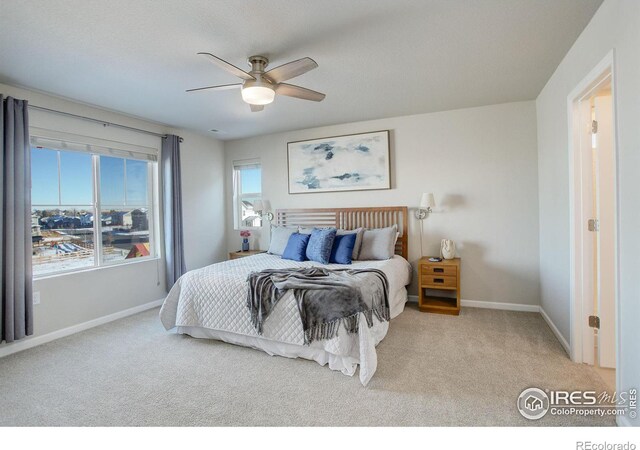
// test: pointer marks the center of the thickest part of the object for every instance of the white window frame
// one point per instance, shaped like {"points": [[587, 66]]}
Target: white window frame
{"points": [[238, 195], [124, 152]]}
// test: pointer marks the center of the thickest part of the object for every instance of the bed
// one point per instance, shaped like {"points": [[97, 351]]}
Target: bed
{"points": [[211, 302]]}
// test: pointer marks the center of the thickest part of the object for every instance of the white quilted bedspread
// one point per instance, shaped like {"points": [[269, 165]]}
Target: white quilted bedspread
{"points": [[214, 298]]}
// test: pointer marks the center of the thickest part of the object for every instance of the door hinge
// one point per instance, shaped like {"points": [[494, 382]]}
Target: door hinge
{"points": [[593, 225], [594, 127], [594, 322]]}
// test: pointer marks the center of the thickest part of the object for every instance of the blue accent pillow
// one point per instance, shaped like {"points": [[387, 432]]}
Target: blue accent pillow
{"points": [[342, 251], [296, 247], [320, 244]]}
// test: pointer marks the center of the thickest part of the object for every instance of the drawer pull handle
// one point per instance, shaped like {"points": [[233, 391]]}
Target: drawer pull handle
{"points": [[438, 269], [438, 280]]}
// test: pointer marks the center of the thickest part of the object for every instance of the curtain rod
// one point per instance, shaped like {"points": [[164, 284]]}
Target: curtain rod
{"points": [[103, 122]]}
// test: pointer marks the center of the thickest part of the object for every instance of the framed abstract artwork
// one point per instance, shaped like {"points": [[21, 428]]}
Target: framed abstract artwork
{"points": [[353, 162]]}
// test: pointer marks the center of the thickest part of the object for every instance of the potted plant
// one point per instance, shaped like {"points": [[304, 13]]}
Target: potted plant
{"points": [[245, 234]]}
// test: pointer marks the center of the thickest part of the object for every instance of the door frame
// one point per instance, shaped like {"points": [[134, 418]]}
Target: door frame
{"points": [[578, 202]]}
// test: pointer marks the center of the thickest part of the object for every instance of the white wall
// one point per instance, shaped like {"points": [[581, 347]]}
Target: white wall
{"points": [[616, 26], [72, 299], [202, 160], [480, 163]]}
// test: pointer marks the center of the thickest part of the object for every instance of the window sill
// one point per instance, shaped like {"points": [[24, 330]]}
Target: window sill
{"points": [[93, 268]]}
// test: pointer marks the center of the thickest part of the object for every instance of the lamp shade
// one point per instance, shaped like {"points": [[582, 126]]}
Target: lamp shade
{"points": [[427, 201], [257, 205]]}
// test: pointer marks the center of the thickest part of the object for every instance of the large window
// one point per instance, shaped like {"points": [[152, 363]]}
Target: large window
{"points": [[247, 188], [89, 209]]}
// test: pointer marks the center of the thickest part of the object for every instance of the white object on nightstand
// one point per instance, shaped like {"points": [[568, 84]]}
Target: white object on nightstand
{"points": [[448, 249]]}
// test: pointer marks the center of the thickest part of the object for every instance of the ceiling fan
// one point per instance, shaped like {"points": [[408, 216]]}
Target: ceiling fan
{"points": [[259, 88]]}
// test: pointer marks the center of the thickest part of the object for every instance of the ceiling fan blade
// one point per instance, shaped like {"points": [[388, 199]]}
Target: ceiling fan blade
{"points": [[256, 108], [220, 87], [291, 70], [299, 92], [227, 66]]}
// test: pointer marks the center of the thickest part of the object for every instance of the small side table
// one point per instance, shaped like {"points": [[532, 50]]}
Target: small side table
{"points": [[443, 276], [241, 254]]}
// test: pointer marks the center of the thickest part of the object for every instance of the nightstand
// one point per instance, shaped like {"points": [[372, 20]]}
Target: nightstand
{"points": [[241, 254], [441, 276]]}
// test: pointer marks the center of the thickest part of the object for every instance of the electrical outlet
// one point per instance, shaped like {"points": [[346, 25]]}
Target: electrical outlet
{"points": [[36, 298]]}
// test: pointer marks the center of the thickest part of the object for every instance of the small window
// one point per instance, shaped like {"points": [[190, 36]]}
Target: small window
{"points": [[247, 189], [69, 190]]}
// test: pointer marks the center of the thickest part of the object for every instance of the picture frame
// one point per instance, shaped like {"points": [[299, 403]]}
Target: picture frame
{"points": [[350, 162]]}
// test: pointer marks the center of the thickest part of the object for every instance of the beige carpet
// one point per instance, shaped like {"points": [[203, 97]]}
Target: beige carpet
{"points": [[432, 370]]}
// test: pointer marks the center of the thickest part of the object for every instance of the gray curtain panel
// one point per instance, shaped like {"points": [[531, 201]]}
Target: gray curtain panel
{"points": [[172, 206], [15, 223]]}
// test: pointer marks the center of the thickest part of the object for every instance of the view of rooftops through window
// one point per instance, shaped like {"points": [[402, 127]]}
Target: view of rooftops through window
{"points": [[64, 207]]}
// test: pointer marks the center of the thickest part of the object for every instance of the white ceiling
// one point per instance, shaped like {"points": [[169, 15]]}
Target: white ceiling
{"points": [[378, 58]]}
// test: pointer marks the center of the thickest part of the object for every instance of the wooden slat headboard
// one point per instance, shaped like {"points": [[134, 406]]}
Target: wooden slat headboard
{"points": [[349, 219]]}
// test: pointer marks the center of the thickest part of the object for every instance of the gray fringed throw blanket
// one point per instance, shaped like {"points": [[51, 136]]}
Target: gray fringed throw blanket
{"points": [[326, 298]]}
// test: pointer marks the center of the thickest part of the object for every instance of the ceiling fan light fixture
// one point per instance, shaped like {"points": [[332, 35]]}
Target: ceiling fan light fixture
{"points": [[259, 88], [258, 95]]}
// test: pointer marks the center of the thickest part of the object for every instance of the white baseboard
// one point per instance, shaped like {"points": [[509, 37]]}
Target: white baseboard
{"points": [[498, 305], [555, 330], [30, 342], [490, 305]]}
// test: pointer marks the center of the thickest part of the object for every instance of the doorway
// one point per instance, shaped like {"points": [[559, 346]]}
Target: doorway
{"points": [[593, 166]]}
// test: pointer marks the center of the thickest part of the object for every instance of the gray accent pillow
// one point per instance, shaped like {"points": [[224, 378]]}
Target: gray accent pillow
{"points": [[378, 244], [279, 238], [358, 244], [305, 230]]}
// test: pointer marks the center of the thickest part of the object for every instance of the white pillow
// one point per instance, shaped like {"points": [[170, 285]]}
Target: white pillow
{"points": [[279, 238], [378, 244]]}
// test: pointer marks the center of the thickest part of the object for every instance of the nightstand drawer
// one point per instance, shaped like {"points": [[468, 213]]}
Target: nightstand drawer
{"points": [[439, 270], [439, 281], [443, 276]]}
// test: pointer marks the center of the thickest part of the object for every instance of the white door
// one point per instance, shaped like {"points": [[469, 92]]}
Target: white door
{"points": [[588, 240], [604, 178]]}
